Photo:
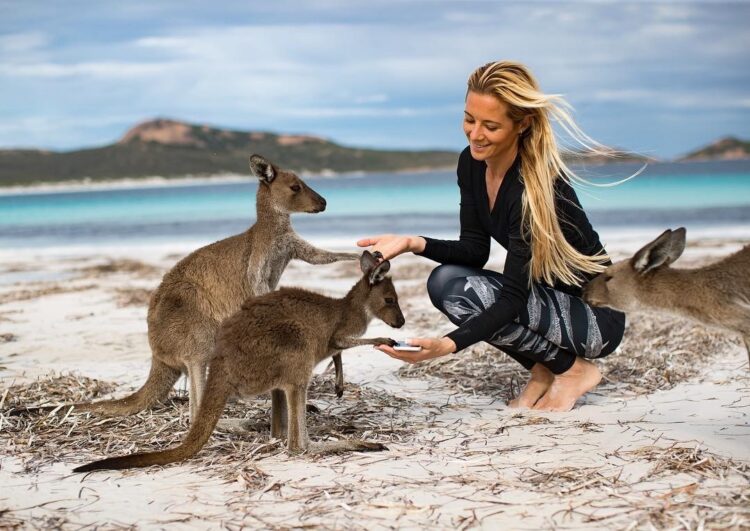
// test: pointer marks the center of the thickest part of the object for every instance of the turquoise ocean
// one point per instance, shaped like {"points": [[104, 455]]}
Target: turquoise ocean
{"points": [[699, 195]]}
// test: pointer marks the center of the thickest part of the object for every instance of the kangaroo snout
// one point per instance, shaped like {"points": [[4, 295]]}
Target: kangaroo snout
{"points": [[321, 206], [398, 322], [590, 289]]}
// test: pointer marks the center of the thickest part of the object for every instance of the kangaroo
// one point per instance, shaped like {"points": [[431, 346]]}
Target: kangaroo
{"points": [[717, 294], [274, 342], [211, 283]]}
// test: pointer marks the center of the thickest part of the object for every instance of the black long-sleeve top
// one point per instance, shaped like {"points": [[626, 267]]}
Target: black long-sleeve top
{"points": [[503, 223]]}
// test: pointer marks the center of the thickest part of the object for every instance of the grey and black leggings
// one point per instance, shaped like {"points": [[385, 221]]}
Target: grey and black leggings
{"points": [[552, 330]]}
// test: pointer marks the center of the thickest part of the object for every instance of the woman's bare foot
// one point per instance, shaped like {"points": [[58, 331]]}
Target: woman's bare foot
{"points": [[569, 386], [540, 380]]}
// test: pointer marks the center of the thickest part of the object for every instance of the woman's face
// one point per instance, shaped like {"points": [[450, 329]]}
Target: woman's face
{"points": [[490, 132]]}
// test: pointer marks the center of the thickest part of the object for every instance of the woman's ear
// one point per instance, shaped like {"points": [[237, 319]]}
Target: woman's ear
{"points": [[525, 125]]}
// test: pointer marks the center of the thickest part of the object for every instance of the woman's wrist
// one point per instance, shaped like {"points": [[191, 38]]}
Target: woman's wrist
{"points": [[448, 345], [416, 244]]}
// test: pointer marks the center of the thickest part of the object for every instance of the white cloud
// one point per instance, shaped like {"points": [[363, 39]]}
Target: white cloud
{"points": [[22, 42], [103, 70], [673, 99]]}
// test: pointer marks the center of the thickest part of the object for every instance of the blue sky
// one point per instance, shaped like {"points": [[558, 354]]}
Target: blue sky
{"points": [[658, 78]]}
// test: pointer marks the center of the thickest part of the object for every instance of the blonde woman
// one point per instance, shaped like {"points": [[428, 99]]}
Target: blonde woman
{"points": [[516, 189]]}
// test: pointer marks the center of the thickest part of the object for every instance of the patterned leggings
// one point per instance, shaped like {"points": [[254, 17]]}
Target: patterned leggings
{"points": [[553, 329]]}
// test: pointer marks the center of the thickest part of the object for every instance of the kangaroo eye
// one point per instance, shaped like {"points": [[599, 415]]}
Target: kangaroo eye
{"points": [[607, 278], [295, 188], [390, 300]]}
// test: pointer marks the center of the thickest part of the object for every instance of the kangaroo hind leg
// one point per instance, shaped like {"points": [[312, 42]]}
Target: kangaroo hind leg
{"points": [[196, 373], [296, 399]]}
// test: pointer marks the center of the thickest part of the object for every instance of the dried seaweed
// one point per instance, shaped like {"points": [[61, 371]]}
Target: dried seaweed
{"points": [[63, 435]]}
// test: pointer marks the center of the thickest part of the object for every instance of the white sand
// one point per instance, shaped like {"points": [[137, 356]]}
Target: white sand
{"points": [[472, 463]]}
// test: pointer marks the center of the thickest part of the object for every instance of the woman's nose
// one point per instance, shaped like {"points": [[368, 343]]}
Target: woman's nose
{"points": [[474, 134]]}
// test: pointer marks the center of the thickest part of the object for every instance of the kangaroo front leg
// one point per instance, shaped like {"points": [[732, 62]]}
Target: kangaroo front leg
{"points": [[296, 398], [747, 347], [278, 414], [343, 343], [339, 385], [312, 255]]}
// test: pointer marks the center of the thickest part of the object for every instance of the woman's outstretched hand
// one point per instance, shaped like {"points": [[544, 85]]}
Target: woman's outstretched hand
{"points": [[392, 245], [431, 348]]}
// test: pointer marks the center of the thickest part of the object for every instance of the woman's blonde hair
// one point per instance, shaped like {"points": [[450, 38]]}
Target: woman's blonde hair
{"points": [[552, 257]]}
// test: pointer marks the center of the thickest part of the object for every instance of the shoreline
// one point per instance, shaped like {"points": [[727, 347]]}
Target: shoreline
{"points": [[156, 181], [135, 183]]}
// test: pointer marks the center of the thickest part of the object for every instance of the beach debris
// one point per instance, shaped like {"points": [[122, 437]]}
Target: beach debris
{"points": [[122, 265], [63, 435], [8, 338]]}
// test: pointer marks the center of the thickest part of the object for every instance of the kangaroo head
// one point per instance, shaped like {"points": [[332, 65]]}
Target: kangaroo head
{"points": [[288, 192], [382, 300], [621, 285]]}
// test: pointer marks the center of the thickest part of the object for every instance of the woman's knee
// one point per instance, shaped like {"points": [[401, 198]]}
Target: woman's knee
{"points": [[439, 279]]}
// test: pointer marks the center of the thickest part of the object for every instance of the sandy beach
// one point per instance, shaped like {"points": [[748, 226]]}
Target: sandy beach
{"points": [[663, 442]]}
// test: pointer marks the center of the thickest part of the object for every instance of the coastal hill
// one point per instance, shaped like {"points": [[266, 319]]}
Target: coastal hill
{"points": [[727, 148], [171, 148]]}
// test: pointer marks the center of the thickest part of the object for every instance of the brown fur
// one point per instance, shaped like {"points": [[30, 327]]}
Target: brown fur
{"points": [[273, 343], [210, 284], [716, 295]]}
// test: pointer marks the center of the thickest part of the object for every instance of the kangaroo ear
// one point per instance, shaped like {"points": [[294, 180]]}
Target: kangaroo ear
{"points": [[664, 250], [262, 169], [366, 261], [378, 274]]}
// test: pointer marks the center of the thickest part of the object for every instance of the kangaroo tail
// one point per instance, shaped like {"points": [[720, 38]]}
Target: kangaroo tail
{"points": [[210, 409], [161, 379]]}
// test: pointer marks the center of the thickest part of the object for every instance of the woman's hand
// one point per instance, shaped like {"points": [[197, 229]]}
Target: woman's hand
{"points": [[431, 348], [392, 245]]}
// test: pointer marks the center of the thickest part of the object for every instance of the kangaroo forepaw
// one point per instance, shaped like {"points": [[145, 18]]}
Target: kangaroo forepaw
{"points": [[236, 426], [349, 445], [366, 446], [339, 391], [384, 341]]}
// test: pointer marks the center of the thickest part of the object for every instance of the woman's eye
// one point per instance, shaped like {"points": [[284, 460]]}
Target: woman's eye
{"points": [[296, 188], [491, 128]]}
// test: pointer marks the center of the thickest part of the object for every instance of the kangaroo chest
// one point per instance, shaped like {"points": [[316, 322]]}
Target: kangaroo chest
{"points": [[269, 262]]}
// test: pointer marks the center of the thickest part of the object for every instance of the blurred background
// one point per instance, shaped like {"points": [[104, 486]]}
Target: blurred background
{"points": [[132, 122]]}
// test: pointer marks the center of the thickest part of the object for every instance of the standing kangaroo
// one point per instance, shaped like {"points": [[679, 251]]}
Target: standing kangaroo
{"points": [[717, 294], [274, 342], [210, 284]]}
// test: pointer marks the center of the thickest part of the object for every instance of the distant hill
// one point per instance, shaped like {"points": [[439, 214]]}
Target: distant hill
{"points": [[170, 148], [727, 148]]}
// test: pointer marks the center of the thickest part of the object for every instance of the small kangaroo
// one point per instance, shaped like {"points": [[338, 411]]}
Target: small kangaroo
{"points": [[716, 295], [274, 342], [210, 284]]}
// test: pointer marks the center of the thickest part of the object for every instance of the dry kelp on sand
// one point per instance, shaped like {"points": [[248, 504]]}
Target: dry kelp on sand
{"points": [[657, 352], [41, 439], [122, 265]]}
